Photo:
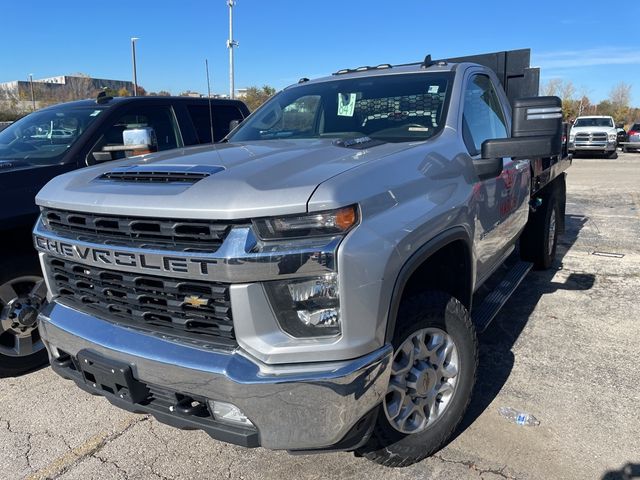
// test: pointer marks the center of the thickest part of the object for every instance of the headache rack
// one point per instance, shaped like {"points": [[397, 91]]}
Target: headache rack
{"points": [[512, 67]]}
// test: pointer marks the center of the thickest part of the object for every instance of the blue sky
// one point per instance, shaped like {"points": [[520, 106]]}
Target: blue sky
{"points": [[283, 40]]}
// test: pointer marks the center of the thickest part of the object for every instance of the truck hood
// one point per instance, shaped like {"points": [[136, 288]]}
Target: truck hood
{"points": [[245, 180], [593, 130]]}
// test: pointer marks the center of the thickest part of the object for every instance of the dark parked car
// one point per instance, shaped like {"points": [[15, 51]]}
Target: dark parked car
{"points": [[66, 137], [622, 135], [633, 140]]}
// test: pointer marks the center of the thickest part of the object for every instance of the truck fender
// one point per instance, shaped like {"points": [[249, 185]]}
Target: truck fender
{"points": [[416, 260]]}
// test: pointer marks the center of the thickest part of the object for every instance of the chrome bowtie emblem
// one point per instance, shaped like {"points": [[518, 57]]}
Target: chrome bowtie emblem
{"points": [[195, 301]]}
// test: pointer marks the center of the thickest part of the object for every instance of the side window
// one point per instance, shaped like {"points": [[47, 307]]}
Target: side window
{"points": [[482, 116], [201, 121], [222, 117], [161, 119]]}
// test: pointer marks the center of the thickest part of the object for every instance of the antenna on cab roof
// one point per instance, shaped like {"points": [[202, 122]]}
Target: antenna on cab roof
{"points": [[427, 62], [206, 66], [103, 97]]}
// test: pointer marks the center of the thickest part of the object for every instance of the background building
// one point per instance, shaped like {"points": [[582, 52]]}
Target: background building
{"points": [[16, 95]]}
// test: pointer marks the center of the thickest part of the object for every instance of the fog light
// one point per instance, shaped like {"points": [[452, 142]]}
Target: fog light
{"points": [[228, 413], [308, 307]]}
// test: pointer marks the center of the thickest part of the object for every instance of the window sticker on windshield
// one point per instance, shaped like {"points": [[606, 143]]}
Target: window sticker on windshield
{"points": [[433, 88], [95, 113], [346, 104]]}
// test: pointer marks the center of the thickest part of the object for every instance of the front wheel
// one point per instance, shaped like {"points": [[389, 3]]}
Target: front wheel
{"points": [[22, 296], [432, 378]]}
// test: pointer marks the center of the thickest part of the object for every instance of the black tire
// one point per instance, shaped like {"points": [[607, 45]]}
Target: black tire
{"points": [[25, 265], [388, 446], [613, 155], [625, 149], [535, 240]]}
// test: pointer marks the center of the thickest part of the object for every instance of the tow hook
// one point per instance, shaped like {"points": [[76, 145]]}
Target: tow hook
{"points": [[535, 203]]}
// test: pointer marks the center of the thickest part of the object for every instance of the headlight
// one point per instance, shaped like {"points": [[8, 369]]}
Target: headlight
{"points": [[572, 137], [613, 137], [308, 307], [331, 222]]}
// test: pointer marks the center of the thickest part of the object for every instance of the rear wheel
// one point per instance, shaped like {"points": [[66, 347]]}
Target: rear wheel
{"points": [[433, 373], [22, 296], [539, 241]]}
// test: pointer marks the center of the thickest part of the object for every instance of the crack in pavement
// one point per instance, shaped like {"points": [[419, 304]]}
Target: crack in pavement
{"points": [[93, 445], [472, 466], [156, 458], [105, 461], [27, 436]]}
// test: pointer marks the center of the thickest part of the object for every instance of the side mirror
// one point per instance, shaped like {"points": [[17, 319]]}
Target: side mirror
{"points": [[234, 124], [487, 168], [141, 138], [536, 130], [523, 147]]}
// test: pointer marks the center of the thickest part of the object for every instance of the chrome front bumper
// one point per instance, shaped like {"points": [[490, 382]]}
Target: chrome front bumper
{"points": [[593, 146], [304, 406]]}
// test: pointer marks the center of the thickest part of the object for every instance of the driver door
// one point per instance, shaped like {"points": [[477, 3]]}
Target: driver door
{"points": [[500, 204]]}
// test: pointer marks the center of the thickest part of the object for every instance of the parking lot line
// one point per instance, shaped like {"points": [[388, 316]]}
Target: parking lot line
{"points": [[87, 449]]}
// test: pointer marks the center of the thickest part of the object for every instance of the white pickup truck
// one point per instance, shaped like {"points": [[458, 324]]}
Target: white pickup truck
{"points": [[594, 134]]}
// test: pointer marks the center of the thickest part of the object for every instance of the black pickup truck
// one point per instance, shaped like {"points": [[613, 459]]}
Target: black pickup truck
{"points": [[66, 137]]}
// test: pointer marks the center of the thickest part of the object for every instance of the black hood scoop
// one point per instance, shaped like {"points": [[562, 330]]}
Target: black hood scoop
{"points": [[161, 173]]}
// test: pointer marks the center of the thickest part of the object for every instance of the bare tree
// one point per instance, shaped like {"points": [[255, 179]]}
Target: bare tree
{"points": [[584, 105], [620, 95], [552, 87], [567, 90]]}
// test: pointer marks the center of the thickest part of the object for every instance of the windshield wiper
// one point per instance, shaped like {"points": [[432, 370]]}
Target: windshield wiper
{"points": [[359, 143]]}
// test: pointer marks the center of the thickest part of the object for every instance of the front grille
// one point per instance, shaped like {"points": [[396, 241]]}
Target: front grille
{"points": [[140, 232], [591, 137], [183, 308]]}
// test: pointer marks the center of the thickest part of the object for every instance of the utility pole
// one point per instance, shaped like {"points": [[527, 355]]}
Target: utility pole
{"points": [[33, 97], [135, 73], [231, 43]]}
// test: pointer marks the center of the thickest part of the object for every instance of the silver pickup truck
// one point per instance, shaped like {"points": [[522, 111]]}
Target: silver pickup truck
{"points": [[308, 284]]}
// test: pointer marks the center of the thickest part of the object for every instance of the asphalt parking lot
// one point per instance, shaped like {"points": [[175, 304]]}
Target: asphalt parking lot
{"points": [[564, 349]]}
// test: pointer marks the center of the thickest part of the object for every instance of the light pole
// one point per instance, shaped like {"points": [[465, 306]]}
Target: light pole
{"points": [[231, 43], [135, 73], [33, 97]]}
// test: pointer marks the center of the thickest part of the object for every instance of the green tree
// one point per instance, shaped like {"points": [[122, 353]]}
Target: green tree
{"points": [[605, 107], [254, 96]]}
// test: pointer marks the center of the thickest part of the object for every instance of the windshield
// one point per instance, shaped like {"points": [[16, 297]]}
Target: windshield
{"points": [[42, 138], [391, 108], [594, 122]]}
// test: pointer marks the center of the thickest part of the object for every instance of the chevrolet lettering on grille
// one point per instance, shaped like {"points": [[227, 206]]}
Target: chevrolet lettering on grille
{"points": [[147, 262]]}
